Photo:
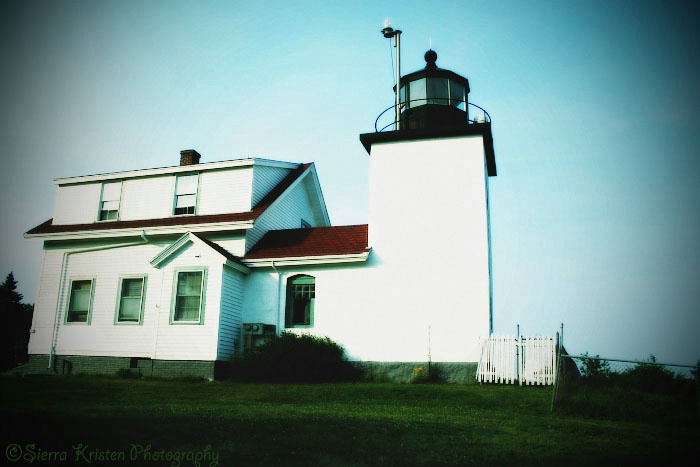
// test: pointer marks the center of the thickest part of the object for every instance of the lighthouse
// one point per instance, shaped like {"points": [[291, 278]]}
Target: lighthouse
{"points": [[429, 225]]}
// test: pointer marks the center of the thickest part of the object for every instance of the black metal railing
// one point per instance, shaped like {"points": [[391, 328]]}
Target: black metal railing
{"points": [[481, 118]]}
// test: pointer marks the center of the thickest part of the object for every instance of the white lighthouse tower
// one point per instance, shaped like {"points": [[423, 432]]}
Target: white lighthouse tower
{"points": [[429, 217]]}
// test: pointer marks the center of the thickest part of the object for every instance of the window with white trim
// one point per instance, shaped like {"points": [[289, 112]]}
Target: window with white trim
{"points": [[109, 201], [132, 291], [80, 301], [186, 194], [188, 297], [301, 294]]}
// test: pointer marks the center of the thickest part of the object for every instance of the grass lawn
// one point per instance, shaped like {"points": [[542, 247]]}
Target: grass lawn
{"points": [[91, 420]]}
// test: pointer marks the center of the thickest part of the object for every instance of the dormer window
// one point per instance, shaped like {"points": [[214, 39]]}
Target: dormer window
{"points": [[109, 202], [186, 194]]}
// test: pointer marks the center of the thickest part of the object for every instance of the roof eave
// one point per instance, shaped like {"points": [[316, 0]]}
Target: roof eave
{"points": [[471, 129], [307, 260], [136, 231]]}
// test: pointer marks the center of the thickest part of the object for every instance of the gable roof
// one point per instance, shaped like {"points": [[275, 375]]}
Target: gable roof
{"points": [[317, 245], [313, 245], [190, 238], [239, 220]]}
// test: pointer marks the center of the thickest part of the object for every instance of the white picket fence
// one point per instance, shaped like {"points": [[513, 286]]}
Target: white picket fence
{"points": [[524, 360]]}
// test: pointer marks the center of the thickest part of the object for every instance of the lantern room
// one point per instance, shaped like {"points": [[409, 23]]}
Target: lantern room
{"points": [[433, 97]]}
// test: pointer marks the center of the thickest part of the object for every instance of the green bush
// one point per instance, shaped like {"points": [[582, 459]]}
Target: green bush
{"points": [[292, 358], [427, 374], [595, 370], [655, 379]]}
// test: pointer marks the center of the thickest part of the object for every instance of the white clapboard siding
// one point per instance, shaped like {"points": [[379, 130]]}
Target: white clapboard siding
{"points": [[45, 303], [147, 198], [231, 315], [265, 178], [287, 213], [155, 336], [225, 191], [102, 336], [230, 241], [261, 300], [77, 204], [190, 341]]}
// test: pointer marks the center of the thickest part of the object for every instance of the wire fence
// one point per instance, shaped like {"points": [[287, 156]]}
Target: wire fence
{"points": [[627, 389]]}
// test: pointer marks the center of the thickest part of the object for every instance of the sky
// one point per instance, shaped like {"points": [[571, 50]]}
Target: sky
{"points": [[595, 108]]}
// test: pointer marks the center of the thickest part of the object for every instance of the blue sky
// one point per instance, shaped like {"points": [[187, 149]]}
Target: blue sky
{"points": [[595, 106]]}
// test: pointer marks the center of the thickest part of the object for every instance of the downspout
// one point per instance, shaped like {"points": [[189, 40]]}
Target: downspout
{"points": [[279, 298], [64, 267]]}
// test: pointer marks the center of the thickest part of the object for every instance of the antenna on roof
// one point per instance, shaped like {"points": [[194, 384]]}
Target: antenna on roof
{"points": [[389, 33]]}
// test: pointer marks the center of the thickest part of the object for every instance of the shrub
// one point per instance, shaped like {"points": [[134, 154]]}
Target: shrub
{"points": [[292, 358], [655, 379], [426, 374], [595, 370]]}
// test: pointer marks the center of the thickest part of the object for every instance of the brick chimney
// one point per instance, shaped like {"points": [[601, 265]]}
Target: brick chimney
{"points": [[189, 157]]}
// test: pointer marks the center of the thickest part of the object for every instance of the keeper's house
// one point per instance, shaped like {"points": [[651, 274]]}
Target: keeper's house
{"points": [[174, 270]]}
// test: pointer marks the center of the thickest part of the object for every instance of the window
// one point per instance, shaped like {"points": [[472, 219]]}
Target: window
{"points": [[109, 202], [80, 301], [186, 194], [457, 97], [438, 91], [130, 300], [416, 92], [188, 301], [301, 293]]}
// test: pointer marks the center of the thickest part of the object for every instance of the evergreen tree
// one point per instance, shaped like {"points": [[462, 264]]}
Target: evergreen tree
{"points": [[14, 332], [8, 290]]}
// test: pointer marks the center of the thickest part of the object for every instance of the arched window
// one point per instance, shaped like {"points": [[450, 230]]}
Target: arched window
{"points": [[301, 292]]}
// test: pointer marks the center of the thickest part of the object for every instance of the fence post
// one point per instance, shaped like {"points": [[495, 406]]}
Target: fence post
{"points": [[557, 371], [519, 345]]}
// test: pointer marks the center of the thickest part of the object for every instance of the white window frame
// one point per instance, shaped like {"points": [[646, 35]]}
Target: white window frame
{"points": [[103, 201], [177, 194], [69, 298], [120, 289], [202, 296]]}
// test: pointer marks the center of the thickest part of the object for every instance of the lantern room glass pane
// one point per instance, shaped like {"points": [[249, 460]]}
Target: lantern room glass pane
{"points": [[438, 91], [416, 92], [457, 94]]}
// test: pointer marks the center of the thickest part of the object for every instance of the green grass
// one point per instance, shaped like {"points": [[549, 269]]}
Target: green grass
{"points": [[358, 424]]}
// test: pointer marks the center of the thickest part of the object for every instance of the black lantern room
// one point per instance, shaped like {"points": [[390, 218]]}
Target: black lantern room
{"points": [[432, 103], [433, 97]]}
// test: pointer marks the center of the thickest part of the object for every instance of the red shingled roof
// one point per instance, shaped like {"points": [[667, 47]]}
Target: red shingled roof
{"points": [[48, 226], [317, 241]]}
